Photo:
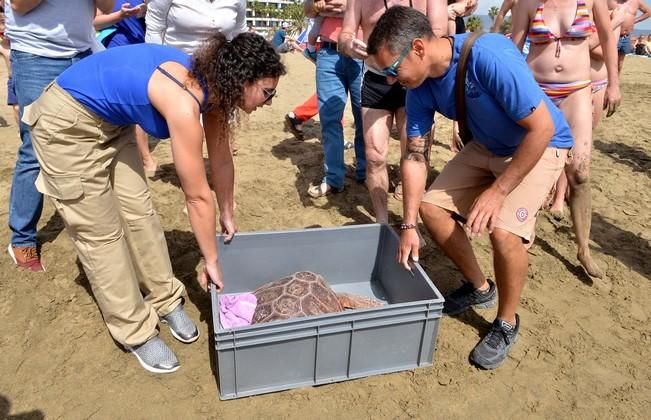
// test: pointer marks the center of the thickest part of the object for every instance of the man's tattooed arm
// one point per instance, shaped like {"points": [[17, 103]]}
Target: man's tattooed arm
{"points": [[418, 148]]}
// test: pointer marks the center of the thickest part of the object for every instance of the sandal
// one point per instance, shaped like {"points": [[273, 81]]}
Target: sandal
{"points": [[322, 190]]}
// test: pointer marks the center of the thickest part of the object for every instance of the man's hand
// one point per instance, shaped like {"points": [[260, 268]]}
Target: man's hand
{"points": [[211, 272], [320, 6], [127, 11], [335, 6], [452, 13], [484, 211], [228, 227], [409, 245], [612, 99], [142, 10], [355, 48]]}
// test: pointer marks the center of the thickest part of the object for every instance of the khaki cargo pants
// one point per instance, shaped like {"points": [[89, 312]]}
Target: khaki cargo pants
{"points": [[94, 175]]}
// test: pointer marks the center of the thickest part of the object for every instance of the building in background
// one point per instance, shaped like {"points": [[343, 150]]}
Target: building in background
{"points": [[265, 15]]}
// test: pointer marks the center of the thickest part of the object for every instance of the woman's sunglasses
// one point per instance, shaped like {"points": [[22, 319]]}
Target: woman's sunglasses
{"points": [[268, 94]]}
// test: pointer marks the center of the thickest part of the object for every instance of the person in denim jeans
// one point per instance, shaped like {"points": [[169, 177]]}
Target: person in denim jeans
{"points": [[46, 38], [336, 77]]}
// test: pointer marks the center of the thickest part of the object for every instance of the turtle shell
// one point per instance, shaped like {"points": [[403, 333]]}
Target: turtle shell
{"points": [[302, 294]]}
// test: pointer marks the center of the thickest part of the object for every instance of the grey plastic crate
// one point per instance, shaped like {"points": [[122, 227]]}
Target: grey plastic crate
{"points": [[328, 348]]}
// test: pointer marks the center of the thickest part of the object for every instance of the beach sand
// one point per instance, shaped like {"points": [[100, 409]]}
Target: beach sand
{"points": [[583, 350]]}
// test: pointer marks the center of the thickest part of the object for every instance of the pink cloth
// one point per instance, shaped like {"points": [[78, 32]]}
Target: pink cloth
{"points": [[236, 310]]}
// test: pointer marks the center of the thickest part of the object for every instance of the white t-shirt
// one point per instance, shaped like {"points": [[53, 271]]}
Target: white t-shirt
{"points": [[185, 24], [54, 28]]}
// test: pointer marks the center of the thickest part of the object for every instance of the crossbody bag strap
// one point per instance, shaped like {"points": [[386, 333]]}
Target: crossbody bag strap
{"points": [[460, 88]]}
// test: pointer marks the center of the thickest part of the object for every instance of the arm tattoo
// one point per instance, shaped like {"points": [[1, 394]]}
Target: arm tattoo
{"points": [[418, 148]]}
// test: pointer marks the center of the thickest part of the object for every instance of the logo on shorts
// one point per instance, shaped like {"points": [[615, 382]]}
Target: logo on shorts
{"points": [[522, 214]]}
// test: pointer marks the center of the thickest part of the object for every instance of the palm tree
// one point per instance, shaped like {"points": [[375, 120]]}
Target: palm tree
{"points": [[505, 28], [493, 12], [474, 24], [294, 14]]}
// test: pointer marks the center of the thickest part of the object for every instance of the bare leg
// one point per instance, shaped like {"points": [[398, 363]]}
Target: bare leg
{"points": [[510, 261], [620, 63], [16, 114], [597, 107], [558, 205], [578, 112], [451, 238], [377, 125], [143, 147], [401, 125]]}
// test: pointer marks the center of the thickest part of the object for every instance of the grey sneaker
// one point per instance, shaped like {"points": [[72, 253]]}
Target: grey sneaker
{"points": [[181, 326], [492, 350], [466, 296], [155, 356]]}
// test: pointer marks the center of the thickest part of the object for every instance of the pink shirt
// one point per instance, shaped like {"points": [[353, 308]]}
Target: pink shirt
{"points": [[330, 28]]}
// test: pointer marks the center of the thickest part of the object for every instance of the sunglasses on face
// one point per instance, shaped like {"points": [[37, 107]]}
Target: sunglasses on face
{"points": [[392, 70], [268, 94]]}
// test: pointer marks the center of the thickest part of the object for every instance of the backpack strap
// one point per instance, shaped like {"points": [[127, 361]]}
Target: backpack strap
{"points": [[460, 87]]}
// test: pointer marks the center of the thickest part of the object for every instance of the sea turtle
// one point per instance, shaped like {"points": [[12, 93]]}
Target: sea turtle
{"points": [[303, 294]]}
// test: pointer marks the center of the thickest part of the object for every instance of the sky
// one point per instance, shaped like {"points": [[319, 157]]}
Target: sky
{"points": [[484, 5]]}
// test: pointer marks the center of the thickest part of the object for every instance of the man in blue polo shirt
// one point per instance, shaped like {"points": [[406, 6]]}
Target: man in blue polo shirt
{"points": [[497, 183]]}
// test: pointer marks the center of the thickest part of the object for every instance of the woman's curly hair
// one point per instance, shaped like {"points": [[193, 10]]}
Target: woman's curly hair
{"points": [[225, 66]]}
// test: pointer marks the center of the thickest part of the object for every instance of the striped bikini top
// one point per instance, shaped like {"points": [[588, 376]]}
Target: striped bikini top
{"points": [[582, 27]]}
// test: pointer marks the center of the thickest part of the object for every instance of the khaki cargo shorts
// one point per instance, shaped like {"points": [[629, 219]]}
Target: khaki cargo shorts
{"points": [[475, 168]]}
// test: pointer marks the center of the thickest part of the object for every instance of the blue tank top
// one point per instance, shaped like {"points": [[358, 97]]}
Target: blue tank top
{"points": [[113, 84]]}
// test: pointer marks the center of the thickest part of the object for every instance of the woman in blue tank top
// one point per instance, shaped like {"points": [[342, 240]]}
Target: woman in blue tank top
{"points": [[83, 135]]}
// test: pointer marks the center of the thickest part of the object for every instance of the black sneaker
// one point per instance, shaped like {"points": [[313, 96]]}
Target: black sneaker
{"points": [[493, 349], [294, 126], [466, 296]]}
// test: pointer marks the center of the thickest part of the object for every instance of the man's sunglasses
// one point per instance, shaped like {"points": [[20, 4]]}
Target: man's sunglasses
{"points": [[392, 70], [268, 94]]}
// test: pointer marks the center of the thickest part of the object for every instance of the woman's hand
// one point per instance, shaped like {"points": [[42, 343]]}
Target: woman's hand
{"points": [[211, 272], [612, 99]]}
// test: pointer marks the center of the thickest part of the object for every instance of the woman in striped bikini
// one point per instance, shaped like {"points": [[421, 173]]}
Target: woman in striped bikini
{"points": [[599, 82], [561, 65]]}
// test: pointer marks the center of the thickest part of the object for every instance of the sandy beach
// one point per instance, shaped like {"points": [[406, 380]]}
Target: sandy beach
{"points": [[584, 346]]}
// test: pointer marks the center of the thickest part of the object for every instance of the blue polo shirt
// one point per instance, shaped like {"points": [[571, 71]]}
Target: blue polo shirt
{"points": [[500, 90]]}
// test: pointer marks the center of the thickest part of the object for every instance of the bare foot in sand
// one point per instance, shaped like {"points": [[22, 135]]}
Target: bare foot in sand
{"points": [[589, 265], [557, 214], [150, 167]]}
